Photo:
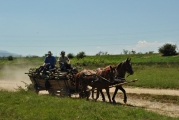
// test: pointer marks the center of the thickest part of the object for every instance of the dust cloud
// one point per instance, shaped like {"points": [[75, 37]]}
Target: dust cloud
{"points": [[14, 76]]}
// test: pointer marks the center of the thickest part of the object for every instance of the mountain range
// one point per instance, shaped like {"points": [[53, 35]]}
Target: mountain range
{"points": [[6, 54]]}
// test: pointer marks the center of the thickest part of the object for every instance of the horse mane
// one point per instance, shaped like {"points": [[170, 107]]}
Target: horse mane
{"points": [[119, 65], [107, 68]]}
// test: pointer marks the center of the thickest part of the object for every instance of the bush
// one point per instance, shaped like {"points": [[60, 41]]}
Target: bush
{"points": [[168, 49], [70, 55], [10, 58], [80, 55], [102, 53]]}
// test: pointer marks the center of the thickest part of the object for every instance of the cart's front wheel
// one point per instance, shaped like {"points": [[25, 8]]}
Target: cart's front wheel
{"points": [[36, 90], [51, 92]]}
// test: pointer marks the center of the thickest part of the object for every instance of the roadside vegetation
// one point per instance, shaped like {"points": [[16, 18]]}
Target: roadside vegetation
{"points": [[24, 105]]}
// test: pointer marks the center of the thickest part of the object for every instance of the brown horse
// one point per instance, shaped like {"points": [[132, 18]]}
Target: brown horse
{"points": [[107, 73], [121, 70], [83, 79], [104, 82], [89, 77]]}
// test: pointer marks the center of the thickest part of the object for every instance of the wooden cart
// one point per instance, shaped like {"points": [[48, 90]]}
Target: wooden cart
{"points": [[56, 82]]}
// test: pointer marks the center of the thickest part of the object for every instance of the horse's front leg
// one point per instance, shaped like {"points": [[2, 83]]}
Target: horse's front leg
{"points": [[109, 97], [114, 95], [124, 92], [103, 97]]}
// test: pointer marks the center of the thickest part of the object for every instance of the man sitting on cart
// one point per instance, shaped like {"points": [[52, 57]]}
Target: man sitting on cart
{"points": [[64, 62], [49, 63]]}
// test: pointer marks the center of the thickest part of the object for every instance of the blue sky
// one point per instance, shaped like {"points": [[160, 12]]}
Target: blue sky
{"points": [[37, 26]]}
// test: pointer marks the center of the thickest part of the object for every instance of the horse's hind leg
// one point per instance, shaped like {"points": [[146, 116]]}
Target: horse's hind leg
{"points": [[92, 93], [124, 92], [87, 93], [103, 97]]}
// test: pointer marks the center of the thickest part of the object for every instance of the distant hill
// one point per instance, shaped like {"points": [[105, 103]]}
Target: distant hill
{"points": [[6, 54]]}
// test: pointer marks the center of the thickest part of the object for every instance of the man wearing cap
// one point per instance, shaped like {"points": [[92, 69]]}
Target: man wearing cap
{"points": [[64, 62], [50, 61]]}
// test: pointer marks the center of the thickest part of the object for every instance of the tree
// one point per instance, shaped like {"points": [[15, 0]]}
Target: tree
{"points": [[133, 52], [101, 53], [70, 55], [125, 51], [80, 55], [167, 49], [10, 58]]}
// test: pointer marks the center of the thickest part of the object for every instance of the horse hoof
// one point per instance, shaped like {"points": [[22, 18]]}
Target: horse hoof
{"points": [[125, 101], [114, 101]]}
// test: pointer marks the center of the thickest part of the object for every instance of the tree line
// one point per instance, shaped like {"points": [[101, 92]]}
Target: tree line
{"points": [[166, 50]]}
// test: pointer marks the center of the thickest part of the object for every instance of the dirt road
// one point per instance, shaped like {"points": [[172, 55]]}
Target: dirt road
{"points": [[150, 91], [168, 109]]}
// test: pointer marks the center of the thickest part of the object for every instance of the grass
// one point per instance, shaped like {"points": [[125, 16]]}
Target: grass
{"points": [[156, 76], [23, 105]]}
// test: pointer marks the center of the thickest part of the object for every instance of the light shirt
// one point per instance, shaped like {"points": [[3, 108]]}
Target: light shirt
{"points": [[63, 59]]}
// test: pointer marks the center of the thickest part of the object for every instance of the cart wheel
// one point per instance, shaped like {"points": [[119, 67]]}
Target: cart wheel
{"points": [[51, 92], [69, 94], [36, 89], [82, 94]]}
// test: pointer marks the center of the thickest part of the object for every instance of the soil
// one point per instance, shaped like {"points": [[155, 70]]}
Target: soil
{"points": [[169, 109]]}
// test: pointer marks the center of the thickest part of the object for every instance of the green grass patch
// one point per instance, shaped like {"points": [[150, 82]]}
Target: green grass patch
{"points": [[23, 105], [156, 76]]}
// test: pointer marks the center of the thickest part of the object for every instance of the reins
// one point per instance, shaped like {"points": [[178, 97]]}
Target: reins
{"points": [[101, 77], [117, 84]]}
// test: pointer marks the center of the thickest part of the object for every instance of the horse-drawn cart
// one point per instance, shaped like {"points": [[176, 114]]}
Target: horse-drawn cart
{"points": [[55, 82]]}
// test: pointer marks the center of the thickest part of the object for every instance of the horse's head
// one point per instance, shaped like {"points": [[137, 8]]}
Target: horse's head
{"points": [[124, 67], [111, 73]]}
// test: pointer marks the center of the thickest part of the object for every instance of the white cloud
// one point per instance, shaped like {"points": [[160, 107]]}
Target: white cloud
{"points": [[98, 47], [144, 46]]}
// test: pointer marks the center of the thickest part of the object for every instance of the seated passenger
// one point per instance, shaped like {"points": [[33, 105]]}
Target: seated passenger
{"points": [[49, 63], [64, 62]]}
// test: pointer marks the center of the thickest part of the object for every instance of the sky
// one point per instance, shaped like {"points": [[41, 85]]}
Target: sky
{"points": [[34, 27]]}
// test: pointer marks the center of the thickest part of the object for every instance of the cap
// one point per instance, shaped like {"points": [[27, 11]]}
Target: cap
{"points": [[49, 53], [62, 52]]}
